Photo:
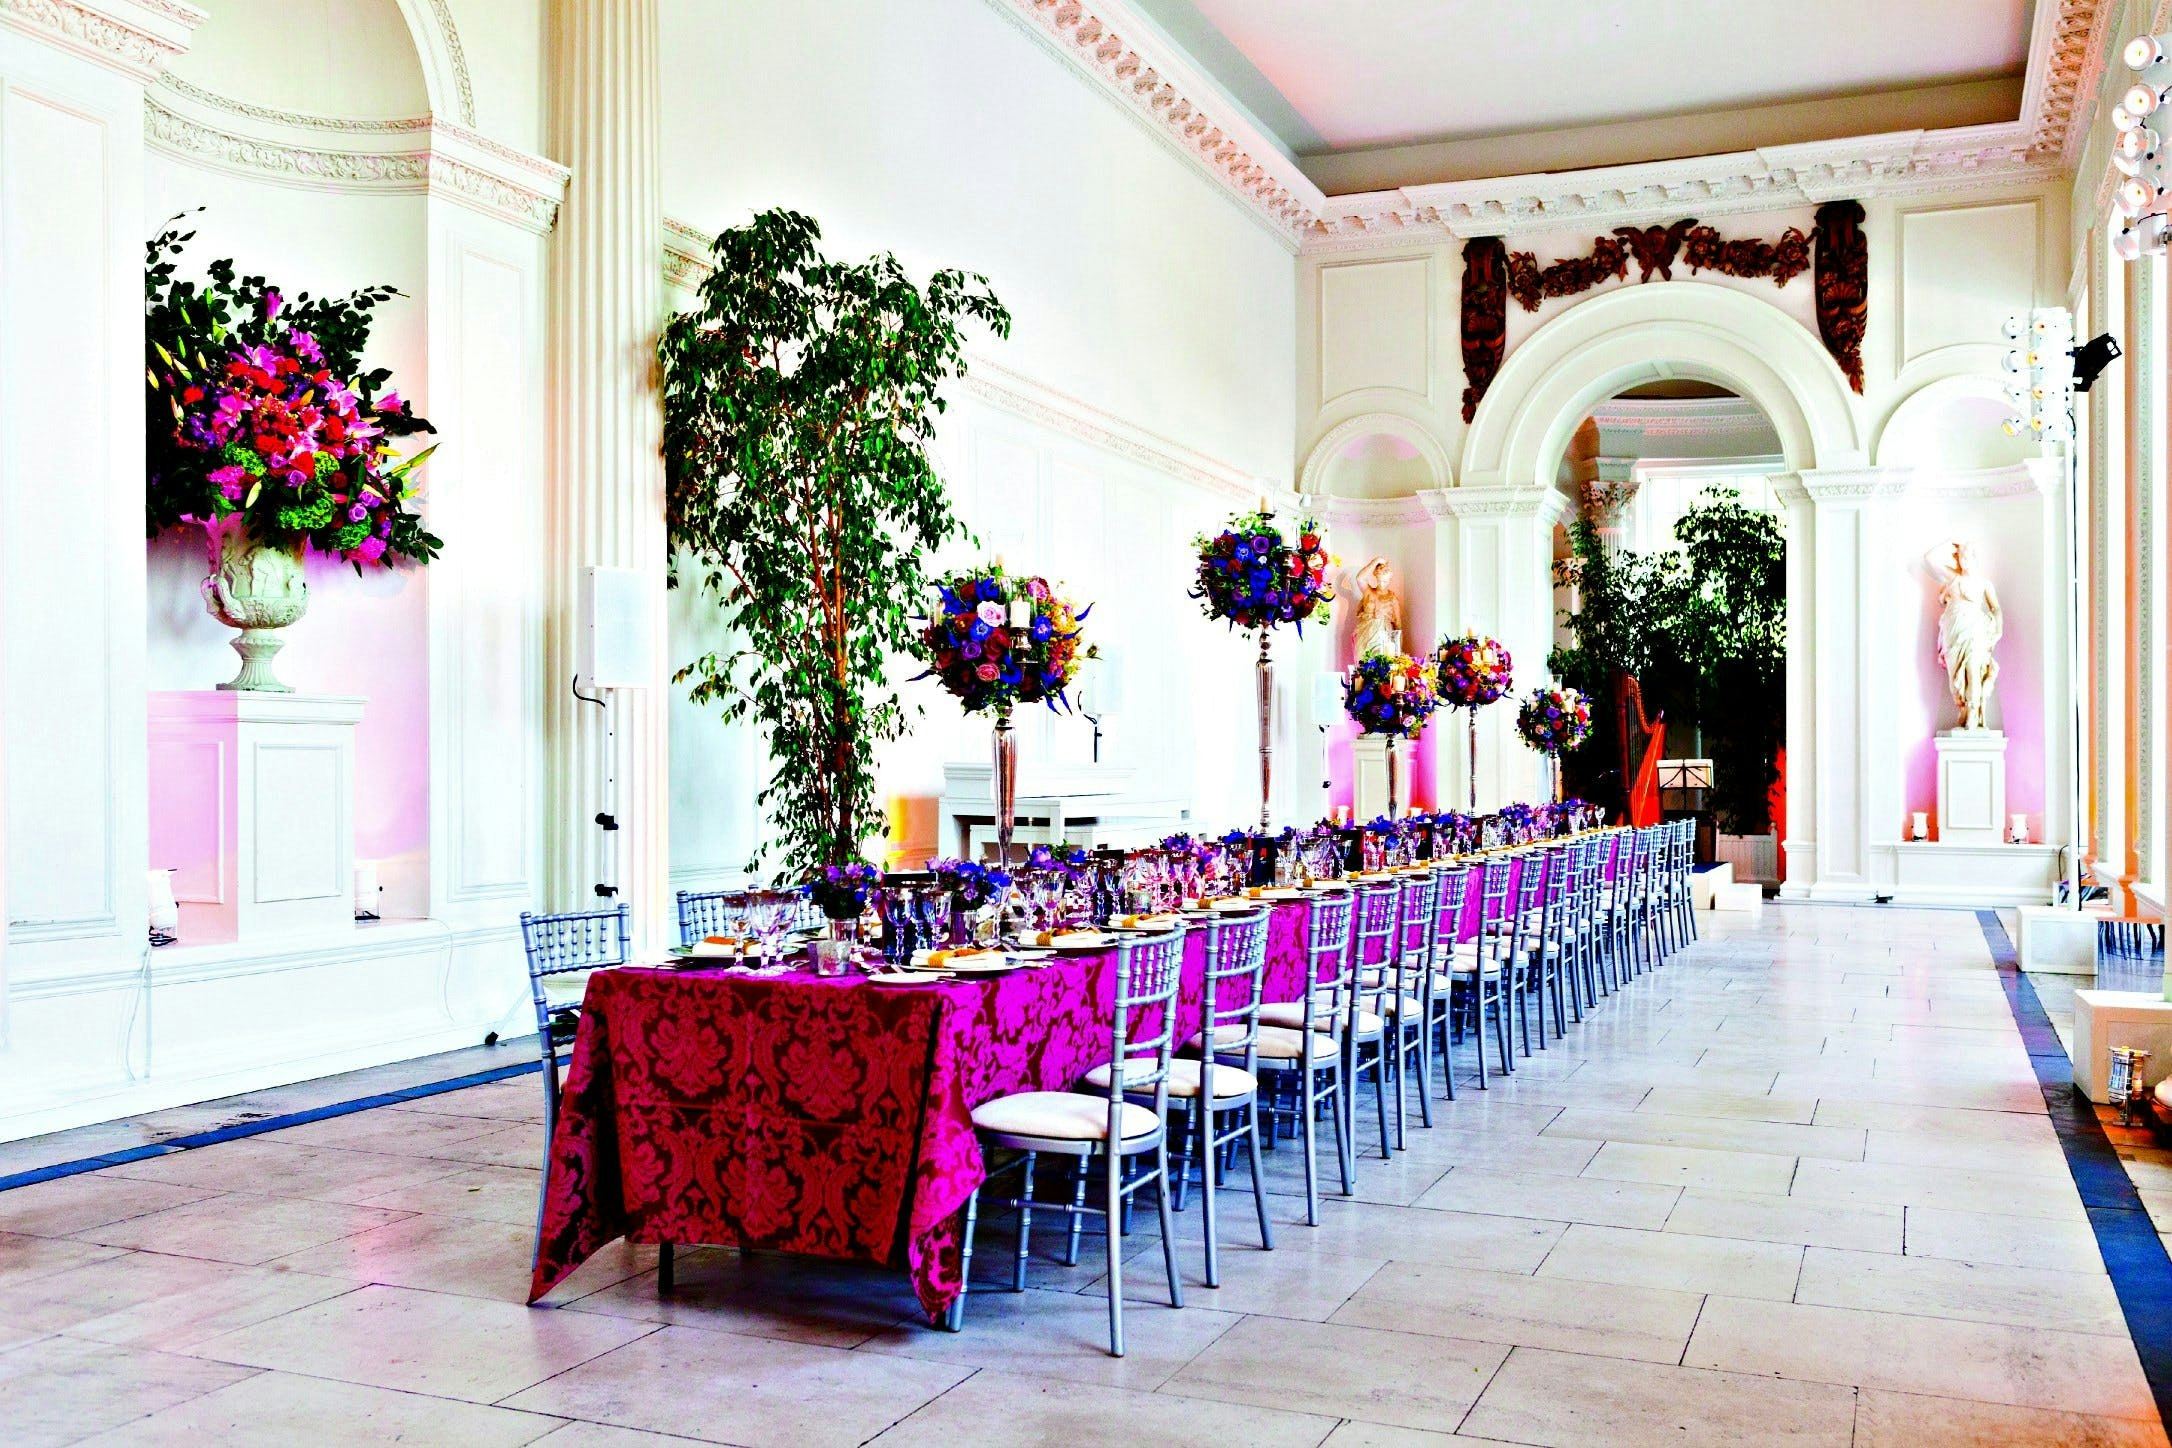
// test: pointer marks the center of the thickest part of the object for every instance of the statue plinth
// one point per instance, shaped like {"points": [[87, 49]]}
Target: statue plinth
{"points": [[1971, 786]]}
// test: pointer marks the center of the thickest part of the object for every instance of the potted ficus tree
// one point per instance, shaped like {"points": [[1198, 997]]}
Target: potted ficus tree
{"points": [[800, 396]]}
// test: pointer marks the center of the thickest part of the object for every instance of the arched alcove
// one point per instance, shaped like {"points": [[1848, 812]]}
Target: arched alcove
{"points": [[1376, 455], [378, 73], [1649, 333]]}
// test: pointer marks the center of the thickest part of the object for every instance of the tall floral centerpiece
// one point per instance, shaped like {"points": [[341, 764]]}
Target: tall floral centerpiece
{"points": [[1471, 672], [1255, 576], [1390, 695], [801, 396], [996, 641], [264, 430], [1554, 721]]}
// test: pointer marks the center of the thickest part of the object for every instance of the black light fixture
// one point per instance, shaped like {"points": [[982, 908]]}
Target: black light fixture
{"points": [[2092, 357]]}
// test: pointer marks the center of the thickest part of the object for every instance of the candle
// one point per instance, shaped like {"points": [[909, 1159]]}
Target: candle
{"points": [[1919, 825], [2021, 829], [1021, 613]]}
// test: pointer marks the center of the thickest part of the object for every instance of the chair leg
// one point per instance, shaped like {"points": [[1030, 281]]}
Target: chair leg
{"points": [[1078, 1214], [954, 1318], [1116, 1256], [665, 1277], [1312, 1170], [1345, 1152], [1425, 1075], [1259, 1182], [1184, 1151], [1168, 1222], [1210, 1167], [1025, 1223], [1402, 1070]]}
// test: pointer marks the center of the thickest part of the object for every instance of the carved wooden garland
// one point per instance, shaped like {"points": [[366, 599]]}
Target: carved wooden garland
{"points": [[1492, 274], [1485, 316]]}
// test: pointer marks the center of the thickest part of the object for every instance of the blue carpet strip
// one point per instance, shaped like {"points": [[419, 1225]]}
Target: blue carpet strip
{"points": [[263, 1124], [2133, 1253]]}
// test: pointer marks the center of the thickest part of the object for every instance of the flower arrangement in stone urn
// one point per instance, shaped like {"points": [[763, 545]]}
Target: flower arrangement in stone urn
{"points": [[1554, 721], [996, 641], [1391, 695], [1255, 575], [264, 429], [1471, 672]]}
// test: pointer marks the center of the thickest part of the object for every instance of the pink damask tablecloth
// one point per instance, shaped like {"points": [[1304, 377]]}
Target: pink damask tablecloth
{"points": [[824, 1116]]}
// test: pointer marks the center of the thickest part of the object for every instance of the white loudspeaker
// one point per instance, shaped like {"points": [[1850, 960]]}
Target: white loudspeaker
{"points": [[618, 612]]}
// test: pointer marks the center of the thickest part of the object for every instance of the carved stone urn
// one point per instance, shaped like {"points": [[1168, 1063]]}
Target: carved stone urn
{"points": [[258, 590]]}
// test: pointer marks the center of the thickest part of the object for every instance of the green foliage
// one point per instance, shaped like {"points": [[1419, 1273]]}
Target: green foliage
{"points": [[800, 397], [1703, 630]]}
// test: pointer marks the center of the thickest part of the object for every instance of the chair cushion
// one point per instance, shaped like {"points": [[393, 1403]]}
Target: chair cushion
{"points": [[1059, 1116], [1290, 1015], [1281, 1044], [1183, 1077]]}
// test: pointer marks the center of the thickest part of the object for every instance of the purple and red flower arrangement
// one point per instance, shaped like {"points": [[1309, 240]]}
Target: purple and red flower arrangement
{"points": [[1255, 578], [995, 641]]}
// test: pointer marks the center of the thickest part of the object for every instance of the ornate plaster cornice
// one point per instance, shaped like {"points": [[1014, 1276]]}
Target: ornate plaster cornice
{"points": [[1494, 501], [992, 383], [2034, 477], [1407, 509], [1104, 41], [686, 255], [134, 37], [402, 154], [1850, 485]]}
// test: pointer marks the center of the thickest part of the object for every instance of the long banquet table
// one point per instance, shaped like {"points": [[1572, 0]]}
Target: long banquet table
{"points": [[826, 1115]]}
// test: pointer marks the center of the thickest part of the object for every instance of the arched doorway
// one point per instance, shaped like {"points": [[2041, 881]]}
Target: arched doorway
{"points": [[1672, 333]]}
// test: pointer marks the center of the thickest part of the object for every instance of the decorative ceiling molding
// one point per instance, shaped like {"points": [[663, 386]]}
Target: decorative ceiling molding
{"points": [[1126, 60], [1845, 485], [135, 37], [1104, 41], [1682, 416], [992, 383], [1494, 501], [405, 154], [449, 33], [686, 265], [686, 256], [1407, 509], [2030, 478]]}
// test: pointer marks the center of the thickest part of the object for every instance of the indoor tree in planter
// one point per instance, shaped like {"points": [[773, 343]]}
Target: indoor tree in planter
{"points": [[800, 397], [264, 429]]}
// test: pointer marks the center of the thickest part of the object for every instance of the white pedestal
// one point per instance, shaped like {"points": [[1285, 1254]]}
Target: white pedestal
{"points": [[252, 807], [1369, 789], [2056, 941], [2107, 1018], [1971, 786]]}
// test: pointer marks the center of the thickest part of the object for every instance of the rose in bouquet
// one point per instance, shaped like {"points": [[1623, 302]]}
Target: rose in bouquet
{"points": [[970, 883], [1254, 577], [840, 892], [1553, 721], [260, 408], [1521, 821], [995, 641], [1390, 694], [1471, 671], [1062, 859]]}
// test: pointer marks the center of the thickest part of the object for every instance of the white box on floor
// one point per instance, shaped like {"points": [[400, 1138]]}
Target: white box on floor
{"points": [[2107, 1018], [252, 807], [2057, 940]]}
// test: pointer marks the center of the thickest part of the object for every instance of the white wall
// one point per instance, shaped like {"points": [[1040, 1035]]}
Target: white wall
{"points": [[1154, 328]]}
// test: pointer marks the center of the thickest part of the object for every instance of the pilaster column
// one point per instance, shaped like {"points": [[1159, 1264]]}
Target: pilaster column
{"points": [[607, 475], [1843, 770], [1493, 562]]}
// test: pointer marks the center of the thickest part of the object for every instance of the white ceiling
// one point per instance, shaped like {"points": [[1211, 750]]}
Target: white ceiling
{"points": [[1335, 76]]}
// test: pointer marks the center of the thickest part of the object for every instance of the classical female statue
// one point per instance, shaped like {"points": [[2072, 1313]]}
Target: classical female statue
{"points": [[1969, 627], [1379, 627]]}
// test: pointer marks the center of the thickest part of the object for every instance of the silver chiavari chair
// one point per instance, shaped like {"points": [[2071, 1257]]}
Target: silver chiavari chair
{"points": [[1592, 853], [1236, 955], [1480, 967], [1440, 1019], [1682, 897], [1525, 917], [1110, 1127], [1552, 952], [1619, 908], [1364, 1021], [563, 945], [1409, 994], [711, 912], [1306, 1060]]}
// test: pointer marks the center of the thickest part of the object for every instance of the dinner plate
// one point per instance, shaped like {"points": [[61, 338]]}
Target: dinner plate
{"points": [[1066, 947], [979, 965], [907, 977]]}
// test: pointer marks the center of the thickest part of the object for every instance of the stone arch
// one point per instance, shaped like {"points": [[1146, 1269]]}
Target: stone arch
{"points": [[444, 63], [1318, 477], [1649, 332]]}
